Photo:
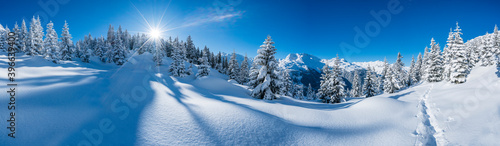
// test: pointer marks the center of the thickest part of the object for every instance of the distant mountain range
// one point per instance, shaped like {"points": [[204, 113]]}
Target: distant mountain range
{"points": [[306, 68]]}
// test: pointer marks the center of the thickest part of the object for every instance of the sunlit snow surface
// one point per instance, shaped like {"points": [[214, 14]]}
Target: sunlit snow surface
{"points": [[57, 102]]}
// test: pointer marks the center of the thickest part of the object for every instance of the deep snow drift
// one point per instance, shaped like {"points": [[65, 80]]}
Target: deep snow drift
{"points": [[140, 104]]}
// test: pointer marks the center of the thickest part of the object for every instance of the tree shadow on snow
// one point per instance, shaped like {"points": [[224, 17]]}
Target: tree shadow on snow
{"points": [[282, 128], [400, 95]]}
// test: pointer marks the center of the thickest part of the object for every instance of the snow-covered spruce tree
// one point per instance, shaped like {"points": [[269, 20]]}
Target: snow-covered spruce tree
{"points": [[23, 37], [356, 87], [423, 68], [435, 64], [447, 56], [496, 41], [398, 72], [287, 83], [382, 76], [108, 55], [66, 44], [324, 91], [417, 74], [310, 92], [190, 50], [336, 83], [411, 75], [203, 68], [119, 53], [389, 85], [244, 71], [6, 36], [252, 75], [490, 48], [157, 56], [369, 87], [18, 42], [459, 63], [51, 44], [3, 37], [234, 68], [268, 79], [36, 37], [85, 54], [299, 92], [100, 49], [111, 35], [177, 67]]}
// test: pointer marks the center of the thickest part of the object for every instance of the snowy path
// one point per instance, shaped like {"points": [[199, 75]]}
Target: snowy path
{"points": [[428, 131]]}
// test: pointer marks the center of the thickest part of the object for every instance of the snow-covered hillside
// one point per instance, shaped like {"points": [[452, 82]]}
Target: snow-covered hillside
{"points": [[140, 104]]}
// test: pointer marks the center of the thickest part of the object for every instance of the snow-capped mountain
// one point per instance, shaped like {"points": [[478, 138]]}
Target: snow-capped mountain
{"points": [[377, 65], [306, 68], [239, 57]]}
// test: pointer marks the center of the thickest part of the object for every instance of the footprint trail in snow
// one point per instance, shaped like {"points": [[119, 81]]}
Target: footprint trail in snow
{"points": [[428, 131]]}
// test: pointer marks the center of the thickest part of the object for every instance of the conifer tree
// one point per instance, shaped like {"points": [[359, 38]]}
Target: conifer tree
{"points": [[356, 87], [66, 43], [268, 78], [310, 93], [233, 68], [435, 63], [459, 62], [337, 84], [203, 68], [51, 44], [244, 71], [177, 67], [23, 37], [369, 87]]}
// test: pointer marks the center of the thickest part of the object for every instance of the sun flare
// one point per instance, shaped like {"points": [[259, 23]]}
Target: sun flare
{"points": [[155, 33]]}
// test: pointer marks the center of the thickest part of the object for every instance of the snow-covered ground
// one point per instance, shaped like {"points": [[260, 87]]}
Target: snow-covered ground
{"points": [[140, 104]]}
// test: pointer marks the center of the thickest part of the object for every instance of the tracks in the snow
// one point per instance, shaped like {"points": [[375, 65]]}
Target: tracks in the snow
{"points": [[428, 131]]}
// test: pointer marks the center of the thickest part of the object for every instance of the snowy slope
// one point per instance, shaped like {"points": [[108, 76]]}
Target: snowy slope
{"points": [[60, 103]]}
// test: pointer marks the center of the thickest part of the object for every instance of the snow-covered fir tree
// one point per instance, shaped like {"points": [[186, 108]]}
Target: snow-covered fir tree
{"points": [[101, 48], [119, 53], [447, 56], [435, 63], [369, 87], [23, 37], [157, 51], [398, 73], [203, 68], [18, 42], [177, 67], [3, 37], [268, 78], [50, 43], [417, 74], [252, 75], [310, 93], [324, 91], [459, 62], [389, 85], [383, 75], [411, 75], [299, 92], [36, 37], [244, 71], [356, 85], [66, 45], [337, 85], [423, 68], [234, 68]]}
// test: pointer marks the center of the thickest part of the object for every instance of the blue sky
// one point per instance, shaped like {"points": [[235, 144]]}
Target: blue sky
{"points": [[315, 27]]}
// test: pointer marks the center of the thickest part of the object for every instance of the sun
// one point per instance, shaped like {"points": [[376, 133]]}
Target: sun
{"points": [[155, 33]]}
